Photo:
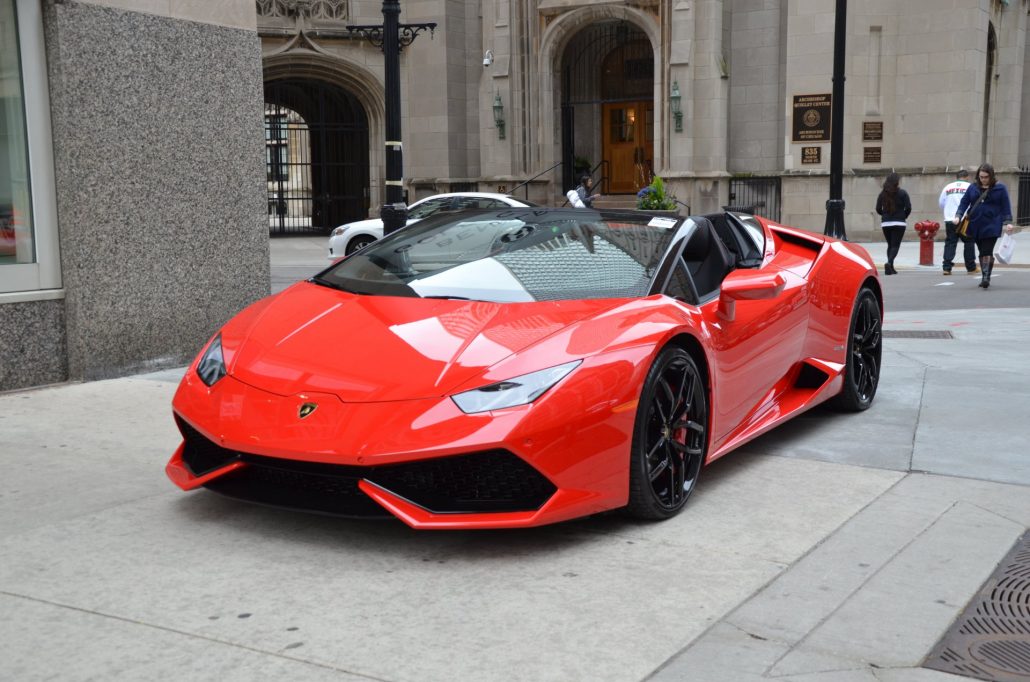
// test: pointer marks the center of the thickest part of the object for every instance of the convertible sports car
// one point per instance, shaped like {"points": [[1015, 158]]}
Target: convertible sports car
{"points": [[524, 366]]}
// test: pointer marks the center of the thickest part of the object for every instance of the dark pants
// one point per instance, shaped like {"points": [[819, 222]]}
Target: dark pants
{"points": [[893, 235], [986, 246], [951, 245]]}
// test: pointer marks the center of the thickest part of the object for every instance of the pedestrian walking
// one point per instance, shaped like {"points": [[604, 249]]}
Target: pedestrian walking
{"points": [[893, 206], [586, 184], [950, 198], [989, 211]]}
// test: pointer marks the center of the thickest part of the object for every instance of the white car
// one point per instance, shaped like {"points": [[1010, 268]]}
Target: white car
{"points": [[348, 238]]}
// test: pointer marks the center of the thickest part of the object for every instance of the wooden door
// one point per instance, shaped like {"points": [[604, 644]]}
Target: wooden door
{"points": [[628, 145]]}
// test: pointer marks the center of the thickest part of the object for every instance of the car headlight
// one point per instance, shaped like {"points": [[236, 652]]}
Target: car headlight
{"points": [[340, 230], [211, 367], [515, 391]]}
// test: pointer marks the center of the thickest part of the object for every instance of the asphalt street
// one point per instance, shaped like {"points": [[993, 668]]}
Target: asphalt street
{"points": [[835, 548]]}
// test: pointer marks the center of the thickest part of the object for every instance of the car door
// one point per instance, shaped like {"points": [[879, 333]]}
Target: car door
{"points": [[756, 352], [755, 349]]}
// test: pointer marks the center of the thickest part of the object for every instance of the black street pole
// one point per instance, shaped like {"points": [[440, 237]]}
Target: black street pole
{"points": [[835, 204], [392, 36], [392, 68]]}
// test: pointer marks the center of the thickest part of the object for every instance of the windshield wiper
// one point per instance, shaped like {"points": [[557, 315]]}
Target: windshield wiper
{"points": [[332, 285], [450, 298]]}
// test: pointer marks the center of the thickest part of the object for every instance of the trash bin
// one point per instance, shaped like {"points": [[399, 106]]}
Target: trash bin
{"points": [[395, 216]]}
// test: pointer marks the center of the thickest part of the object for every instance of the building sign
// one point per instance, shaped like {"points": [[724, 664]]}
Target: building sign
{"points": [[812, 118], [872, 131], [811, 155], [871, 154]]}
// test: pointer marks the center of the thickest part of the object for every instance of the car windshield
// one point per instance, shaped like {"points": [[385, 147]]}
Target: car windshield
{"points": [[517, 254]]}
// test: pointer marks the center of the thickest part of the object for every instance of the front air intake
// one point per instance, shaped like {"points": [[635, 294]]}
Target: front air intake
{"points": [[478, 482]]}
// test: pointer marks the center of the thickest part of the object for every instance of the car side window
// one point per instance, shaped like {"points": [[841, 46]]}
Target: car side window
{"points": [[751, 235], [679, 285], [428, 208], [491, 203], [462, 203]]}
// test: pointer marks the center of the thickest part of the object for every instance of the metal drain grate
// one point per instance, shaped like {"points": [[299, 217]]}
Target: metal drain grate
{"points": [[916, 334], [991, 639]]}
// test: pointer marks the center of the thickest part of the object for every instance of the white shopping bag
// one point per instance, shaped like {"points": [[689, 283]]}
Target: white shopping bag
{"points": [[1006, 248], [573, 197]]}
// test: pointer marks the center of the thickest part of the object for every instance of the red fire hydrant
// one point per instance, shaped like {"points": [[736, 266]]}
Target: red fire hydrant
{"points": [[926, 229]]}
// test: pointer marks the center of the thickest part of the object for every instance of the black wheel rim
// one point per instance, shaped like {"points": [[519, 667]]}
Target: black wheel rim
{"points": [[866, 347], [675, 438]]}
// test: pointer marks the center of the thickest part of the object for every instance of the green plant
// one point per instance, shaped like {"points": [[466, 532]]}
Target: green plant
{"points": [[654, 198], [580, 164]]}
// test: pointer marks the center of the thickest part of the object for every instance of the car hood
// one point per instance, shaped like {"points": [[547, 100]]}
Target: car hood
{"points": [[380, 348], [369, 224]]}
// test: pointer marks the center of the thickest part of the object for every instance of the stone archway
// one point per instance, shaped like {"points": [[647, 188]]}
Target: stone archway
{"points": [[351, 92], [554, 41]]}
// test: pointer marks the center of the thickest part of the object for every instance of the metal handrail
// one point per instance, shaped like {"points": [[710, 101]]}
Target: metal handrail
{"points": [[604, 175], [526, 183]]}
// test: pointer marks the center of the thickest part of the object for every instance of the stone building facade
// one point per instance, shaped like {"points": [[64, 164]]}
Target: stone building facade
{"points": [[931, 85], [131, 154], [149, 147]]}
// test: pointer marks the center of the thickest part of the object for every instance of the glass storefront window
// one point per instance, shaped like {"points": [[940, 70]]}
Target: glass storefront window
{"points": [[16, 220]]}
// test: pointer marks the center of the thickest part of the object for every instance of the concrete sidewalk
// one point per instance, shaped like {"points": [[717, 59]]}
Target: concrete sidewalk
{"points": [[908, 257], [838, 547]]}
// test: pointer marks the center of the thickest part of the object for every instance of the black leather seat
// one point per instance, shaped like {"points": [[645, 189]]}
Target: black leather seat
{"points": [[707, 258]]}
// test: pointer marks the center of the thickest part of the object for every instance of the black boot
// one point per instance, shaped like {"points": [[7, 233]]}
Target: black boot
{"points": [[985, 271]]}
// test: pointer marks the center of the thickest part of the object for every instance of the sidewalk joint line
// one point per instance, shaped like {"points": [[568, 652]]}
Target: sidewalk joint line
{"points": [[191, 635], [851, 595]]}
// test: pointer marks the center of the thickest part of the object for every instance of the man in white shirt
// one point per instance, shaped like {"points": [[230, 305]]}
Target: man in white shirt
{"points": [[951, 195]]}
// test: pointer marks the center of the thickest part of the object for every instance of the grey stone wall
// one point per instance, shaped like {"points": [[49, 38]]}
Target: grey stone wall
{"points": [[32, 339], [159, 156]]}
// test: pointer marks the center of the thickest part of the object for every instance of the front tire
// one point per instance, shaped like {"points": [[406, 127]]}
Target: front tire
{"points": [[865, 349], [670, 436], [358, 243]]}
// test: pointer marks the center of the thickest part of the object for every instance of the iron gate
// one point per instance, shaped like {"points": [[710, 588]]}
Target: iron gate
{"points": [[1023, 200], [756, 195], [316, 157]]}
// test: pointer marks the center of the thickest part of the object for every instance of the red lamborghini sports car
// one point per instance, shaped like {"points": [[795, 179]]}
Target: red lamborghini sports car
{"points": [[525, 366]]}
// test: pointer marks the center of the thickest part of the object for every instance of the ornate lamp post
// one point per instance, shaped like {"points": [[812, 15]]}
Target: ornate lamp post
{"points": [[835, 204], [392, 37], [499, 116], [674, 106]]}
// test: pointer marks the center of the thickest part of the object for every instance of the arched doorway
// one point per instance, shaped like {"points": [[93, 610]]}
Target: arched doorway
{"points": [[316, 143], [607, 95]]}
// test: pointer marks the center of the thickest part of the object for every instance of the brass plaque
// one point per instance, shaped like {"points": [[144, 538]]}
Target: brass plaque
{"points": [[812, 118], [811, 155], [871, 154], [872, 131]]}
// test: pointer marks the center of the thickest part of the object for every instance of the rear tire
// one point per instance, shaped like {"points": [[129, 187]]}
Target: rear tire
{"points": [[670, 436], [865, 349]]}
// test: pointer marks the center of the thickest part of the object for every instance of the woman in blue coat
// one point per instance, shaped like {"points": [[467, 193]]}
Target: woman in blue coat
{"points": [[987, 217]]}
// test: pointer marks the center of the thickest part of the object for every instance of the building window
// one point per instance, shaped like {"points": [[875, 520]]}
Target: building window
{"points": [[15, 190], [28, 229]]}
